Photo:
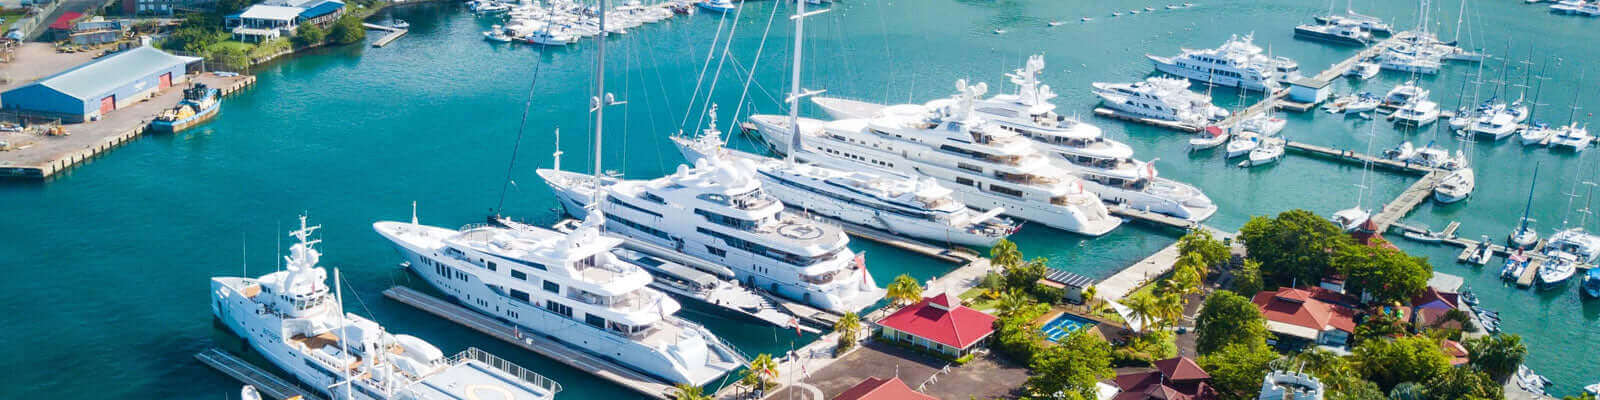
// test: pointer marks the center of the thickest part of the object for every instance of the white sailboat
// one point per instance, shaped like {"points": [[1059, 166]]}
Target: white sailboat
{"points": [[1351, 218]]}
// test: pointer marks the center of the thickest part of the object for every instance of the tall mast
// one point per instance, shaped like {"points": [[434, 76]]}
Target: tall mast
{"points": [[599, 102], [344, 336], [795, 92], [1576, 91], [1523, 226], [1460, 15]]}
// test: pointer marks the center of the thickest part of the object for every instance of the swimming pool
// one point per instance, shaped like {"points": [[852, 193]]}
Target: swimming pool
{"points": [[1063, 325]]}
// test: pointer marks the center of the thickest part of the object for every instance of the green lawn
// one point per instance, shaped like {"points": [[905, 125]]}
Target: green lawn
{"points": [[11, 18], [242, 46], [974, 299]]}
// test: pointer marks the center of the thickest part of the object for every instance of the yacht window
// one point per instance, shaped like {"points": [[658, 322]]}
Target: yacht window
{"points": [[519, 274], [594, 321], [493, 267], [552, 287], [559, 308], [1005, 190], [519, 295], [716, 251], [613, 200], [964, 181]]}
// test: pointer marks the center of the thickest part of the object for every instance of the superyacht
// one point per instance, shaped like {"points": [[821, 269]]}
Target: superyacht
{"points": [[290, 318], [915, 207], [1238, 63], [1106, 166], [1166, 99], [569, 287], [989, 165]]}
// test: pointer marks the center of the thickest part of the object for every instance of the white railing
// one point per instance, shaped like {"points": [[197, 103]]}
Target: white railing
{"points": [[532, 378]]}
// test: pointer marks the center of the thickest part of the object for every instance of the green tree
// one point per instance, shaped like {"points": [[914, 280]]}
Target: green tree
{"points": [[1072, 366], [684, 391], [309, 34], [1209, 249], [1338, 375], [1227, 318], [762, 372], [1169, 309], [1016, 335], [848, 327], [1247, 280], [1295, 247], [1386, 274], [1186, 278], [1358, 390], [1463, 383], [1379, 326], [347, 30], [1497, 355], [225, 7], [904, 290], [1012, 302], [1408, 359], [1236, 371], [1584, 396], [1091, 297], [1026, 276], [1005, 254], [232, 58], [1144, 308], [1408, 391]]}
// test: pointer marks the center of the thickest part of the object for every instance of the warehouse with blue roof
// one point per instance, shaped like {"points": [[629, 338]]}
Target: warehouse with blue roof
{"points": [[90, 91]]}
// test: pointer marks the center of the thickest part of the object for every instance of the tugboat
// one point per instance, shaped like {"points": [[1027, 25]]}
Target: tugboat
{"points": [[199, 104]]}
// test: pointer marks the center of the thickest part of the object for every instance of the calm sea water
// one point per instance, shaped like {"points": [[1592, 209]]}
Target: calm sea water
{"points": [[107, 266]]}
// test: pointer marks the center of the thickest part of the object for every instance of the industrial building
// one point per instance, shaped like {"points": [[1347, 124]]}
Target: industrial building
{"points": [[90, 91]]}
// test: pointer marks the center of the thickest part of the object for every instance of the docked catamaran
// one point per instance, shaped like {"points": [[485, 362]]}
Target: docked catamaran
{"points": [[990, 165], [719, 211], [291, 319], [569, 287], [1238, 63], [1106, 166]]}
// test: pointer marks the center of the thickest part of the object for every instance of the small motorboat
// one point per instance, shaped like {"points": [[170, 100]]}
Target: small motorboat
{"points": [[1187, 5], [249, 393], [1363, 102], [1134, 12], [497, 35], [999, 31], [1426, 236], [1456, 186], [1536, 134], [1363, 70], [1116, 13], [1242, 144], [1557, 269], [1467, 296], [1149, 8], [1057, 23], [400, 24], [1268, 152], [1483, 254], [1592, 390], [1208, 139], [716, 6], [1173, 6], [1086, 19], [1515, 264]]}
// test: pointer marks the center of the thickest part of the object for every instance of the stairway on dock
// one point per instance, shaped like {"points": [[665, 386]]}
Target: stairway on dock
{"points": [[550, 348], [266, 383]]}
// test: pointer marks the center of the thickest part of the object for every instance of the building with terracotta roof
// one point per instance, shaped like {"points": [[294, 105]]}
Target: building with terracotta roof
{"points": [[1458, 354], [941, 324], [875, 388], [1173, 379], [1313, 315], [1428, 308]]}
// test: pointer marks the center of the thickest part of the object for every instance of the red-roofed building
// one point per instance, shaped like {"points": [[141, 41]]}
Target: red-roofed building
{"points": [[941, 324], [1174, 379], [1429, 308], [1313, 315], [875, 388], [1458, 353]]}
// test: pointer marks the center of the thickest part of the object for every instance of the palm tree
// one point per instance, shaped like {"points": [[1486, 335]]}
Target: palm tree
{"points": [[1169, 309], [1143, 308], [904, 289], [1011, 302], [686, 391], [847, 326], [762, 372], [1090, 298], [1005, 254]]}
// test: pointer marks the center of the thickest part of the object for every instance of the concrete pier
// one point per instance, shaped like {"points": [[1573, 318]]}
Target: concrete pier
{"points": [[266, 383], [544, 346], [393, 33]]}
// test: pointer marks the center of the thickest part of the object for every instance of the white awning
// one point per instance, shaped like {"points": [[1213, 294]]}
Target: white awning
{"points": [[1293, 330]]}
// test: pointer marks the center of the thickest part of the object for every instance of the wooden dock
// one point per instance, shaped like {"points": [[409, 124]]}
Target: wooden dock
{"points": [[393, 33], [1408, 200], [266, 383], [1356, 157], [545, 346], [1152, 218]]}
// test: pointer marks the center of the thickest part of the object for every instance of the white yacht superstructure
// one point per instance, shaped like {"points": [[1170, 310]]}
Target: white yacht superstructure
{"points": [[911, 206], [990, 165], [719, 211], [1161, 98], [1238, 63], [291, 318], [569, 287]]}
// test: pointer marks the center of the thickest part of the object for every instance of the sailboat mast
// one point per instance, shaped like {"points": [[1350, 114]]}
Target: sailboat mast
{"points": [[794, 80], [1576, 91], [1460, 15], [344, 336], [1528, 207], [599, 101]]}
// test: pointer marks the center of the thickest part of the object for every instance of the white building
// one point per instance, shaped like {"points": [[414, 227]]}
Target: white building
{"points": [[261, 23], [1284, 385]]}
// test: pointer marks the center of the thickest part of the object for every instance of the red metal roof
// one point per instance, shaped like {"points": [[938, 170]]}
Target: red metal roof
{"points": [[875, 388], [65, 21], [1302, 308], [1174, 379], [955, 326], [1181, 369]]}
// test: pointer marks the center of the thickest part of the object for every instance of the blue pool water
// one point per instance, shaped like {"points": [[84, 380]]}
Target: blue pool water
{"points": [[1063, 325]]}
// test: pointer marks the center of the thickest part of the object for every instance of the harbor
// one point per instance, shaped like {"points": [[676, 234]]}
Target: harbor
{"points": [[309, 136]]}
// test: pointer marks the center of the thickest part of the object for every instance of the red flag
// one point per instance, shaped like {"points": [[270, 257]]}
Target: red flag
{"points": [[796, 324]]}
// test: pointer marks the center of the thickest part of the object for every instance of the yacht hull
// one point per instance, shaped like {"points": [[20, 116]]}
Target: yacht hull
{"points": [[1316, 35], [1166, 66], [260, 330]]}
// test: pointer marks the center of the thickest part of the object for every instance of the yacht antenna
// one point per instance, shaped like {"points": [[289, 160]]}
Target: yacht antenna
{"points": [[795, 92], [1528, 207], [557, 154], [413, 212], [344, 336], [244, 255]]}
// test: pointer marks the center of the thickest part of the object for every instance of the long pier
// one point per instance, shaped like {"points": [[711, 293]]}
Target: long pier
{"points": [[266, 383], [550, 348], [1153, 218], [1408, 200], [393, 33], [1358, 158]]}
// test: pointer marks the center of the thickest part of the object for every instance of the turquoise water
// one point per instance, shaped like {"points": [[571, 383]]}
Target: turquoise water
{"points": [[107, 265], [1063, 325]]}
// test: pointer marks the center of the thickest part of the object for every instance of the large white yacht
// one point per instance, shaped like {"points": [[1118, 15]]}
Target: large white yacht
{"points": [[911, 206], [1106, 166], [1238, 63], [719, 211], [989, 165], [294, 320], [1166, 99], [569, 287]]}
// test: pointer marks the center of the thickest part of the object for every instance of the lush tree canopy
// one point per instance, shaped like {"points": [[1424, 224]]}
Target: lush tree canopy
{"points": [[1247, 280], [1236, 370], [1388, 275], [1497, 355], [309, 34], [1408, 359], [347, 30], [1005, 254], [1296, 246], [1463, 383], [904, 290], [1201, 243], [1227, 319], [1071, 366]]}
